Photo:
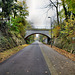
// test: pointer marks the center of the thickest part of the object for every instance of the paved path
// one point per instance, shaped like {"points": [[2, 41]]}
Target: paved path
{"points": [[28, 61], [33, 60], [60, 63]]}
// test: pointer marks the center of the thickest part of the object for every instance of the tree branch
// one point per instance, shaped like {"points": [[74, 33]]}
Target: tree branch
{"points": [[53, 3]]}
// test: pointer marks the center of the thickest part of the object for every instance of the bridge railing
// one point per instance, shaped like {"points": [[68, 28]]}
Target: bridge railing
{"points": [[38, 28]]}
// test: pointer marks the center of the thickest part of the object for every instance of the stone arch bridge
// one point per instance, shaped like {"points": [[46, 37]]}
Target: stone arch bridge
{"points": [[45, 32]]}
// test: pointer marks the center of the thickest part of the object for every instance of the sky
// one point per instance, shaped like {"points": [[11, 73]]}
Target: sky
{"points": [[38, 13]]}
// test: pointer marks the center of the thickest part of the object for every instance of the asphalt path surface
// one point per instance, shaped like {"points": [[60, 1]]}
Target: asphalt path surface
{"points": [[28, 61]]}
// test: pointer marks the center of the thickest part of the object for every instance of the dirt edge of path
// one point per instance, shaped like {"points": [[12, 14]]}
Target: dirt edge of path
{"points": [[63, 52], [8, 53]]}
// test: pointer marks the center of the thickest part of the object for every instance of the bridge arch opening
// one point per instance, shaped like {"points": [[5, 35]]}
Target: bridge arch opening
{"points": [[37, 33], [47, 40]]}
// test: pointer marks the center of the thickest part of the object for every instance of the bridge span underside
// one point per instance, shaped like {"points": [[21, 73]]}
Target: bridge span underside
{"points": [[43, 32]]}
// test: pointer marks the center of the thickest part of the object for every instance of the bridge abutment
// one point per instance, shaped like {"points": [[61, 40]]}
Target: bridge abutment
{"points": [[48, 40]]}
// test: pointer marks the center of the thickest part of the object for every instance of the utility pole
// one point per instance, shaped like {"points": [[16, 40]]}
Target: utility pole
{"points": [[51, 29]]}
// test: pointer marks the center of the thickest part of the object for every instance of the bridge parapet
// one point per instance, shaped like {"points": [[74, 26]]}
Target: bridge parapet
{"points": [[37, 31]]}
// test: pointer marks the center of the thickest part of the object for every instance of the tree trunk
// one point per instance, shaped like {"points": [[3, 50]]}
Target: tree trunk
{"points": [[57, 16], [57, 13], [66, 14]]}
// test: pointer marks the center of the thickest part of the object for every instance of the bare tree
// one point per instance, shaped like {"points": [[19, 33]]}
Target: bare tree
{"points": [[55, 4]]}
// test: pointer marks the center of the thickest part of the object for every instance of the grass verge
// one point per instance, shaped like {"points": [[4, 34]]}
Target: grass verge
{"points": [[6, 54]]}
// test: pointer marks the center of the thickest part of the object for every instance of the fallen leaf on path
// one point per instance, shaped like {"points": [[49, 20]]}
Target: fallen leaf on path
{"points": [[27, 71], [67, 62], [60, 72], [7, 72], [46, 72]]}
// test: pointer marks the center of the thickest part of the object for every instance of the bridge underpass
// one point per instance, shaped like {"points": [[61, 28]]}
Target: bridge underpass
{"points": [[44, 32]]}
